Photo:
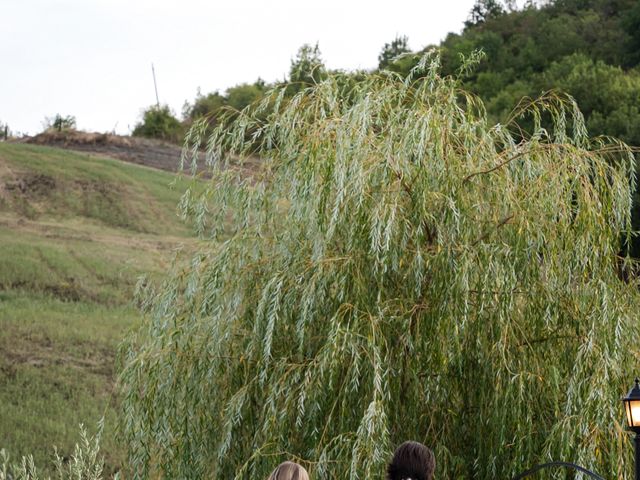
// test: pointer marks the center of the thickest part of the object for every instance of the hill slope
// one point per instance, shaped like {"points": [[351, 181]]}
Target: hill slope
{"points": [[75, 233]]}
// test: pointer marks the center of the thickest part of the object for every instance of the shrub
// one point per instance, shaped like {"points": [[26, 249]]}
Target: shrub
{"points": [[208, 105], [85, 463], [391, 51], [159, 122]]}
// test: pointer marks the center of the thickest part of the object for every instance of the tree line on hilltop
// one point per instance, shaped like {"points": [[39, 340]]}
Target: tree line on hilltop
{"points": [[589, 49]]}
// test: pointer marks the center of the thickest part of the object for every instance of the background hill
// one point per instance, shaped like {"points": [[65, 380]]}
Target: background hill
{"points": [[75, 233], [587, 48]]}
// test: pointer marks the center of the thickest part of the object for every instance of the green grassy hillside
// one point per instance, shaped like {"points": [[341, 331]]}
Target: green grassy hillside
{"points": [[75, 233]]}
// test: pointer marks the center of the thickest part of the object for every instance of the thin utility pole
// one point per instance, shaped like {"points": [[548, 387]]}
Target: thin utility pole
{"points": [[155, 85]]}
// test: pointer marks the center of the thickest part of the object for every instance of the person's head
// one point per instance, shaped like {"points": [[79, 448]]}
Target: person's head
{"points": [[289, 471], [411, 460]]}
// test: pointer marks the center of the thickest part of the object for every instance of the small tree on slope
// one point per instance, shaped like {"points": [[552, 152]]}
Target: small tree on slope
{"points": [[398, 269]]}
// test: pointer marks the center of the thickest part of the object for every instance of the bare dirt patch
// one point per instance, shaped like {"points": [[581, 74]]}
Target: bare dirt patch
{"points": [[25, 191], [32, 185], [142, 151]]}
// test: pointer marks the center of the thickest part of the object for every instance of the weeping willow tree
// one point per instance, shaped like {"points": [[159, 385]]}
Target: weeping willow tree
{"points": [[397, 268]]}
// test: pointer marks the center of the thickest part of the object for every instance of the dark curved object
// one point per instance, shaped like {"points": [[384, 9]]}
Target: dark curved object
{"points": [[542, 466]]}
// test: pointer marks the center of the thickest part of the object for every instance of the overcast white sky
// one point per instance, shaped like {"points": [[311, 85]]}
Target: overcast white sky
{"points": [[92, 58]]}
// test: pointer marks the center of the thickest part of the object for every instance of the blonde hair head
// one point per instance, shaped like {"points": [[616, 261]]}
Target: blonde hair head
{"points": [[289, 471]]}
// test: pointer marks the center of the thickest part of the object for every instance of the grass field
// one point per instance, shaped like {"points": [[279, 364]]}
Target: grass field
{"points": [[75, 233]]}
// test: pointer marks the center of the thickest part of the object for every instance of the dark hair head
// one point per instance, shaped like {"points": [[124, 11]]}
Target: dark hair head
{"points": [[411, 460]]}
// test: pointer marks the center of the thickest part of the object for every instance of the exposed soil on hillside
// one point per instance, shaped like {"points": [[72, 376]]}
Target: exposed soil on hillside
{"points": [[33, 184], [143, 151]]}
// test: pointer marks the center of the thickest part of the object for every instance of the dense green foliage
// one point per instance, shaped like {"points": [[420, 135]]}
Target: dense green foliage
{"points": [[214, 105], [306, 70], [159, 122], [583, 47], [399, 268], [390, 57], [484, 10]]}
